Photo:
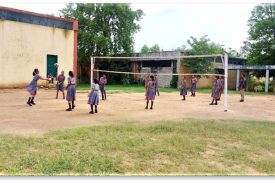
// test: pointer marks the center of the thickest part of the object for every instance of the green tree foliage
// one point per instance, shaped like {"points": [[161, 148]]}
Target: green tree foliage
{"points": [[201, 46], [146, 49], [155, 48], [104, 29], [261, 44]]}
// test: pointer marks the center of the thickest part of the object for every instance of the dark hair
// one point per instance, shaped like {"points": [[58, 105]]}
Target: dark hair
{"points": [[35, 71], [95, 81], [71, 74]]}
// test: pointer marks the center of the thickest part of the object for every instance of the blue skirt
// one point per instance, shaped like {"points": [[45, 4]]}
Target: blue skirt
{"points": [[60, 87], [71, 93], [32, 89], [193, 87], [94, 98], [215, 93], [151, 94], [183, 91]]}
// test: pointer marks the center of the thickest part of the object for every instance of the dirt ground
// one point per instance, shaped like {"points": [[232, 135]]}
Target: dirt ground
{"points": [[49, 114]]}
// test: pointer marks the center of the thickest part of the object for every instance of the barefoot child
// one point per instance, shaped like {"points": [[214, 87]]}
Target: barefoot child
{"points": [[242, 86], [60, 84], [193, 85], [150, 92], [215, 92], [32, 87], [71, 91], [157, 85], [93, 96], [102, 83], [183, 89]]}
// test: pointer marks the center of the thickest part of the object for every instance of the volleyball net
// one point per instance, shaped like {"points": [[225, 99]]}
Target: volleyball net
{"points": [[151, 69]]}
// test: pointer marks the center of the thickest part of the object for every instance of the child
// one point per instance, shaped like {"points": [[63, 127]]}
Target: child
{"points": [[221, 83], [242, 86], [215, 92], [93, 96], [157, 85], [102, 83], [193, 85], [32, 87], [150, 92], [71, 91], [146, 80], [183, 89], [60, 84]]}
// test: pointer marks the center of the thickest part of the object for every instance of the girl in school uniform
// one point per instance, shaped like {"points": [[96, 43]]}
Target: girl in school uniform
{"points": [[221, 83], [215, 92], [32, 87], [60, 84], [183, 89], [93, 96], [193, 85], [150, 92], [71, 91], [157, 84]]}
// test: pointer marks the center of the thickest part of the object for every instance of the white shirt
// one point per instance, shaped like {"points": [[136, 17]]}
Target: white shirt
{"points": [[95, 86]]}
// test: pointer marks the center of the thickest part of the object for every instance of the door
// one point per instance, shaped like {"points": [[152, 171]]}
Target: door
{"points": [[51, 67]]}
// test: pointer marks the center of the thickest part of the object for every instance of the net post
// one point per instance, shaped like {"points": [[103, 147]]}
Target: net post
{"points": [[225, 82], [92, 70]]}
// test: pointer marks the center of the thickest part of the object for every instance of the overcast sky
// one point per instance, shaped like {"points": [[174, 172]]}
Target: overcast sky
{"points": [[170, 24]]}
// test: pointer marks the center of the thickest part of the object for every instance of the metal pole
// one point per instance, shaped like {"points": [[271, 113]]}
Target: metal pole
{"points": [[237, 79], [266, 80], [92, 70], [225, 81]]}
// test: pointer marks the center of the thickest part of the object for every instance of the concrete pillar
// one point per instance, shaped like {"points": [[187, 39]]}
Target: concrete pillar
{"points": [[266, 80], [237, 79], [178, 67]]}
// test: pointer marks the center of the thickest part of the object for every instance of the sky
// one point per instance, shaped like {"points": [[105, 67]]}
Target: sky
{"points": [[170, 24]]}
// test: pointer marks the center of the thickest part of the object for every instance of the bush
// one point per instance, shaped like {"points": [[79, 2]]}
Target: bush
{"points": [[174, 82], [127, 80]]}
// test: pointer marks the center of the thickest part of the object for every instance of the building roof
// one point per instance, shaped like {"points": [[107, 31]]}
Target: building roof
{"points": [[13, 14]]}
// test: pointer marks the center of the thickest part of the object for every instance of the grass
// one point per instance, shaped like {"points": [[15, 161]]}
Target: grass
{"points": [[140, 89], [186, 147]]}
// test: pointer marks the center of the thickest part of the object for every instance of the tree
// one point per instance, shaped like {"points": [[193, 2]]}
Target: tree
{"points": [[104, 29], [155, 48], [261, 44], [145, 49], [201, 46]]}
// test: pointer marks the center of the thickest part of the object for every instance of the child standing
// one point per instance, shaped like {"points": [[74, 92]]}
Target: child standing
{"points": [[242, 86], [183, 89], [93, 96], [215, 92], [32, 87], [150, 92], [157, 85], [71, 91], [60, 84], [193, 85], [102, 83]]}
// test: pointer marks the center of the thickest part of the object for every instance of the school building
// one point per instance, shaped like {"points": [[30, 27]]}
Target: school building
{"points": [[171, 63], [31, 40]]}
